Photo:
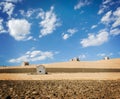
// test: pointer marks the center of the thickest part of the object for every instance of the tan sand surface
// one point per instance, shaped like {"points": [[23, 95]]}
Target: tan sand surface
{"points": [[112, 63], [61, 76]]}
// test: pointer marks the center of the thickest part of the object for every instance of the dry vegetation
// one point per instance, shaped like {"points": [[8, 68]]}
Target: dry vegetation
{"points": [[60, 89]]}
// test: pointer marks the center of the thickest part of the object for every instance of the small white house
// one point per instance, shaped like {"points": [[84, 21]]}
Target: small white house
{"points": [[75, 59], [41, 69], [106, 58]]}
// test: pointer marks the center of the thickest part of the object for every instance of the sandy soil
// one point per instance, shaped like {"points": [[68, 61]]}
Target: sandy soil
{"points": [[61, 76]]}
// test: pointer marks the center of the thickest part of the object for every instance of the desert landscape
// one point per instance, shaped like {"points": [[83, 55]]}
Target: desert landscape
{"points": [[65, 80]]}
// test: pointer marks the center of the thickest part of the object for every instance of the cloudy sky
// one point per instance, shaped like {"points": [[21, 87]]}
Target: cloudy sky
{"points": [[42, 31]]}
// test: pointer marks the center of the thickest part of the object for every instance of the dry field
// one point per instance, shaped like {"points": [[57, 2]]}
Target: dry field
{"points": [[61, 76], [112, 65], [60, 89]]}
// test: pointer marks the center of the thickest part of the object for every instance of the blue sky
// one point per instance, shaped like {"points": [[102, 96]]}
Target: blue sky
{"points": [[45, 31]]}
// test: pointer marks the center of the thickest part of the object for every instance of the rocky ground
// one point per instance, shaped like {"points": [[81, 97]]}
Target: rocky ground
{"points": [[60, 89]]}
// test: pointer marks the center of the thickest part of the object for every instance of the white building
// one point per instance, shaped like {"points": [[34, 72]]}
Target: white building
{"points": [[106, 58], [75, 59], [41, 69]]}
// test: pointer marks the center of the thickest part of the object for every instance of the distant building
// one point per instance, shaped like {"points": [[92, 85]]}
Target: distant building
{"points": [[106, 58], [75, 59], [41, 69], [25, 64]]}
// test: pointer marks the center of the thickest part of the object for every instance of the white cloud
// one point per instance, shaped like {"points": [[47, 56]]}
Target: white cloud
{"points": [[101, 10], [29, 12], [8, 8], [26, 14], [117, 12], [69, 33], [104, 54], [19, 28], [15, 1], [49, 22], [35, 55], [116, 23], [82, 56], [104, 6], [106, 19], [2, 30], [65, 36], [106, 1], [115, 31], [116, 18], [101, 54], [112, 17], [72, 31], [94, 26], [81, 3], [95, 40]]}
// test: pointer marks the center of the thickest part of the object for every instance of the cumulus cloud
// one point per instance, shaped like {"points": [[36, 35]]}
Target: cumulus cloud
{"points": [[95, 40], [19, 29], [35, 55], [69, 33], [2, 30], [8, 8], [49, 22], [106, 19], [81, 3], [94, 26]]}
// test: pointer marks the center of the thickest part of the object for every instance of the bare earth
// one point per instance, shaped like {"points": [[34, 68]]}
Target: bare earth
{"points": [[60, 89]]}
